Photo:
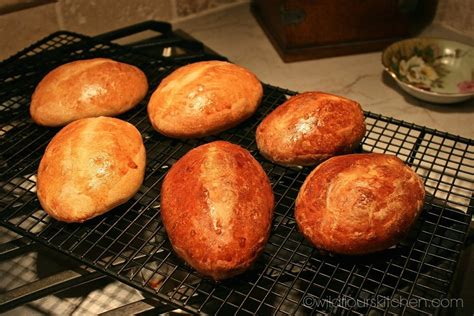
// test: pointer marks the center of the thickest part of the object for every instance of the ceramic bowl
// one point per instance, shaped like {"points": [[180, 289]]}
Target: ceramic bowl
{"points": [[431, 69]]}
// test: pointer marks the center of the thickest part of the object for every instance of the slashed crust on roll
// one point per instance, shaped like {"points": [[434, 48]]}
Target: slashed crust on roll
{"points": [[217, 207], [87, 88], [309, 128], [204, 98], [91, 166]]}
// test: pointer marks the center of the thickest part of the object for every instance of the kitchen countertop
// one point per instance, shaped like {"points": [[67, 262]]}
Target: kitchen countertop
{"points": [[235, 33]]}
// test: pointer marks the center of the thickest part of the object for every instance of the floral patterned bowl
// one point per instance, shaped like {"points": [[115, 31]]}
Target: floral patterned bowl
{"points": [[434, 70]]}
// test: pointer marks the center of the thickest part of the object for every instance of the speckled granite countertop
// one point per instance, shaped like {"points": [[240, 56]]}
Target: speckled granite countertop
{"points": [[235, 33]]}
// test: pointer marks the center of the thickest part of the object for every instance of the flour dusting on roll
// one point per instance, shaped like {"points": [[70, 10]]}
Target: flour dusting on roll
{"points": [[359, 203], [204, 98]]}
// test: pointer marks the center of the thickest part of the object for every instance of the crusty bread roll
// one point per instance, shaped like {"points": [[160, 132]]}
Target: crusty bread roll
{"points": [[358, 204], [217, 208], [204, 98], [309, 128], [91, 166], [87, 88]]}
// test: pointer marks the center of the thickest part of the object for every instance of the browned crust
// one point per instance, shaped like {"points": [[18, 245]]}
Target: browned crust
{"points": [[204, 98], [217, 208], [309, 128], [91, 166], [87, 88], [359, 203]]}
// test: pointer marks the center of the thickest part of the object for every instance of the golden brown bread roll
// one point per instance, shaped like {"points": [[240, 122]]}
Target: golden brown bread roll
{"points": [[87, 88], [359, 203], [309, 128], [217, 208], [204, 98], [91, 166]]}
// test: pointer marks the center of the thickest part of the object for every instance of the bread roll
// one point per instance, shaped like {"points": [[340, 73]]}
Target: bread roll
{"points": [[87, 88], [89, 167], [309, 128], [204, 98], [360, 203], [217, 207]]}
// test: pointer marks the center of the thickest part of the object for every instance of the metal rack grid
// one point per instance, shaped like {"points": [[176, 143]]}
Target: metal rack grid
{"points": [[130, 244]]}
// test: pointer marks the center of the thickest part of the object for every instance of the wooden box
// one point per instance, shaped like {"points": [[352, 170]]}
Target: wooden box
{"points": [[307, 29]]}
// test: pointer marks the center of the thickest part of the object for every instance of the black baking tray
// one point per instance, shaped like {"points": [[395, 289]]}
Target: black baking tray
{"points": [[290, 277]]}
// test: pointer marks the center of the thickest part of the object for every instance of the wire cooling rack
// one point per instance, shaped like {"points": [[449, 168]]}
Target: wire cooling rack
{"points": [[290, 277]]}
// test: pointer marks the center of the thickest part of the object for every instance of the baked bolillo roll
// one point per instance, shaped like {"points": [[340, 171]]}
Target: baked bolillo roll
{"points": [[358, 204], [87, 88], [217, 208], [309, 128], [204, 98], [90, 166]]}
